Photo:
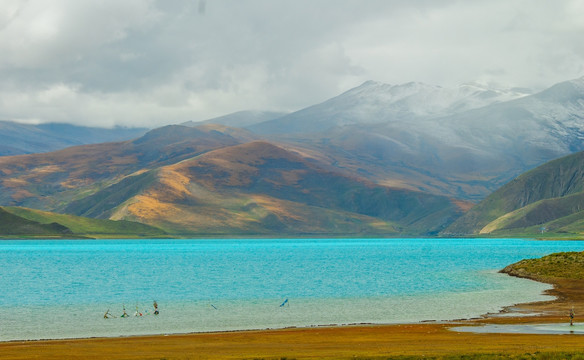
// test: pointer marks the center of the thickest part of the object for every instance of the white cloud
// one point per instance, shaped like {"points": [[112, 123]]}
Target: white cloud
{"points": [[149, 63]]}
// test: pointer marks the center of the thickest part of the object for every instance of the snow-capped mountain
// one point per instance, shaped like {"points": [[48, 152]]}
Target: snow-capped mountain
{"points": [[422, 100], [464, 142], [551, 121], [375, 102]]}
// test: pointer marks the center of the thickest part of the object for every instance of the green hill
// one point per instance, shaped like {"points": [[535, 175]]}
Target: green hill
{"points": [[14, 226], [548, 199], [23, 222]]}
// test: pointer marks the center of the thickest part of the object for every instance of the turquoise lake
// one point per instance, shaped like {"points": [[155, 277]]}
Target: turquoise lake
{"points": [[61, 289]]}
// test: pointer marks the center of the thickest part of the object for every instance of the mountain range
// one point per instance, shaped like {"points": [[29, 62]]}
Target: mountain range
{"points": [[215, 180], [378, 103], [463, 143], [383, 160]]}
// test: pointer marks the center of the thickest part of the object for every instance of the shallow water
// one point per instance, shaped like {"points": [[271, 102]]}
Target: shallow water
{"points": [[61, 289]]}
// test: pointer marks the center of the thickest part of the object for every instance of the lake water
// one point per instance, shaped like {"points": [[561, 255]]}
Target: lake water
{"points": [[61, 289]]}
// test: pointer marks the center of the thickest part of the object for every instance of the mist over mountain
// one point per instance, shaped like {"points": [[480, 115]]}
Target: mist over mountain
{"points": [[239, 119], [465, 142], [378, 103]]}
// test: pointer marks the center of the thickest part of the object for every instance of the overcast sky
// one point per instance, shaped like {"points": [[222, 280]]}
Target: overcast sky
{"points": [[152, 63]]}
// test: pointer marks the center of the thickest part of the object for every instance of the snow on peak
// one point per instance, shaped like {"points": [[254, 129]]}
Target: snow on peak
{"points": [[415, 99], [578, 83]]}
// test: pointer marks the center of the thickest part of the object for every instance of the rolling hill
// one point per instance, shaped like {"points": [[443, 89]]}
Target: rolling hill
{"points": [[260, 188], [75, 226], [17, 222], [14, 226], [49, 181], [547, 199]]}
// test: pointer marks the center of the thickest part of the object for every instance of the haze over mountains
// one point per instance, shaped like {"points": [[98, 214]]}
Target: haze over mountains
{"points": [[378, 103], [239, 119], [16, 138], [378, 159], [465, 142]]}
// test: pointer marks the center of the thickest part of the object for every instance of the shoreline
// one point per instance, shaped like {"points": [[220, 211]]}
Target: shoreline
{"points": [[429, 338], [438, 312]]}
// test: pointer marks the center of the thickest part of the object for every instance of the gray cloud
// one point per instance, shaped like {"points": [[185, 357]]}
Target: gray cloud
{"points": [[150, 63]]}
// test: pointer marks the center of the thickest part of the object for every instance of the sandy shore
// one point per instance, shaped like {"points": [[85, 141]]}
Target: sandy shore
{"points": [[429, 339]]}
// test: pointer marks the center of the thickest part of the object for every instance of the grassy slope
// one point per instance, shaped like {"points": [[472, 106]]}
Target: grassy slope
{"points": [[254, 215], [559, 266], [527, 356], [558, 217], [86, 226], [536, 198], [204, 202], [12, 225]]}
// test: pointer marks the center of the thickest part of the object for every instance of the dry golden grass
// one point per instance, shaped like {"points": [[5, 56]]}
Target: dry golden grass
{"points": [[362, 342], [174, 184], [282, 209], [147, 208]]}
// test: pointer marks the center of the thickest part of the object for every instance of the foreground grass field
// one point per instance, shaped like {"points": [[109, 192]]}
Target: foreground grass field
{"points": [[411, 341], [536, 356]]}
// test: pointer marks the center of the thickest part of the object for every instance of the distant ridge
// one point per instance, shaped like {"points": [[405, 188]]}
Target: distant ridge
{"points": [[16, 138], [239, 119]]}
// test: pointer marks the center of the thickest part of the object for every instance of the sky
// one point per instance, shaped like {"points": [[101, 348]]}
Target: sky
{"points": [[150, 63]]}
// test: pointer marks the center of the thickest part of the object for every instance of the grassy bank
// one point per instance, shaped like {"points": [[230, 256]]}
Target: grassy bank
{"points": [[550, 268]]}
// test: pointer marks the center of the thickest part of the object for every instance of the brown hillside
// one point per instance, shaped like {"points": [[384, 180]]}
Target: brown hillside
{"points": [[260, 188], [239, 166], [47, 180]]}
